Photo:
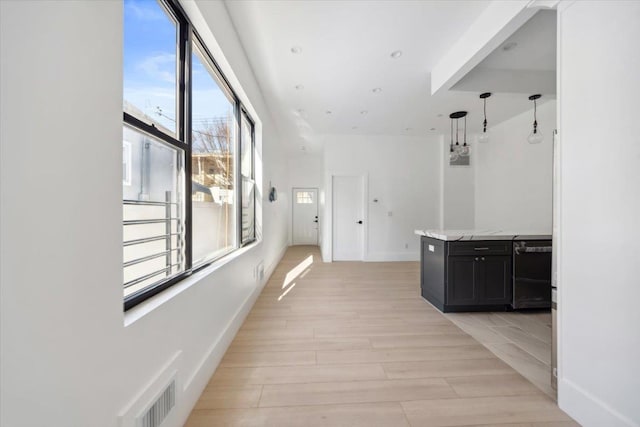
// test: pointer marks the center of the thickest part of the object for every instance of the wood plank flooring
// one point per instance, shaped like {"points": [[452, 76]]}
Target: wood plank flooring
{"points": [[354, 344]]}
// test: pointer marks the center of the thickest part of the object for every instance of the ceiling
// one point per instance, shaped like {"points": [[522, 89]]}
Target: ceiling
{"points": [[344, 52], [524, 63]]}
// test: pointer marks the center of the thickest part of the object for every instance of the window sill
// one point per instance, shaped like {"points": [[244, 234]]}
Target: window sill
{"points": [[139, 311]]}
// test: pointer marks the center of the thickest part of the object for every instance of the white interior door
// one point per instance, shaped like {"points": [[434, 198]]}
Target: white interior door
{"points": [[305, 216], [348, 218]]}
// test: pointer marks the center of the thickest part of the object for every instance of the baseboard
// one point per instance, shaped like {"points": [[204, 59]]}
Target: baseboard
{"points": [[195, 385], [392, 257], [587, 409], [271, 267]]}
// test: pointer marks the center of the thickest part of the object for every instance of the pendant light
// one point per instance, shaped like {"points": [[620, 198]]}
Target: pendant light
{"points": [[453, 153], [458, 150], [464, 150], [535, 137], [484, 136]]}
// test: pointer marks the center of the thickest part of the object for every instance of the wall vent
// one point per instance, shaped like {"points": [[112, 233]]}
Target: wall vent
{"points": [[159, 410]]}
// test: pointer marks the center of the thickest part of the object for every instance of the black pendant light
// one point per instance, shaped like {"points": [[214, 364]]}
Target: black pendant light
{"points": [[458, 150], [484, 136], [453, 152], [535, 137]]}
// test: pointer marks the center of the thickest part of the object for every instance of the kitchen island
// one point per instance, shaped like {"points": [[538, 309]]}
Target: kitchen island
{"points": [[472, 270]]}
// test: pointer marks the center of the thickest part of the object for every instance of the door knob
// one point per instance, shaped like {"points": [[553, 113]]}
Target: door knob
{"points": [[315, 220], [360, 222]]}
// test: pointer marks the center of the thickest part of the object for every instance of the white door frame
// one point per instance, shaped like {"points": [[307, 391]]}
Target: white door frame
{"points": [[293, 205], [327, 239]]}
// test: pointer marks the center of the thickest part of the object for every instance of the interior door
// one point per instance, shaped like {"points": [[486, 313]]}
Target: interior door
{"points": [[348, 218], [305, 216]]}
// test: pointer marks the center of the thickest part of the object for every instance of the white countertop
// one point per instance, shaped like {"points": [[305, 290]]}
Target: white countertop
{"points": [[454, 235]]}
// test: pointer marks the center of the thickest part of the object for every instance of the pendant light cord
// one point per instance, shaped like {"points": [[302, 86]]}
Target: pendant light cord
{"points": [[484, 124], [535, 116], [465, 130], [451, 144]]}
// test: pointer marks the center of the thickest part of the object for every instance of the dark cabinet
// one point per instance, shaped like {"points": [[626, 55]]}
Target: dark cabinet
{"points": [[463, 276], [462, 280], [484, 280], [495, 280]]}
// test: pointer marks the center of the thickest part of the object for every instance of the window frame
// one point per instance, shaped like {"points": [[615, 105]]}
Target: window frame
{"points": [[187, 35], [245, 114]]}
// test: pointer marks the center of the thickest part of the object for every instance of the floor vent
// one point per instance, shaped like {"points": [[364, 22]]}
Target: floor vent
{"points": [[160, 408]]}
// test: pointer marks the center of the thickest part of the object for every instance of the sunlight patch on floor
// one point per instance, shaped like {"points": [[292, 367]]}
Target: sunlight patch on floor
{"points": [[295, 271], [287, 291]]}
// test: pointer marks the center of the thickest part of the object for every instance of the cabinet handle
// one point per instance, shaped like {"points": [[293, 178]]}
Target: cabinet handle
{"points": [[476, 258], [483, 258], [480, 249]]}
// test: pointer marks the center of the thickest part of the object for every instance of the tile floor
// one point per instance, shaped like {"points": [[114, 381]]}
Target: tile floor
{"points": [[521, 339]]}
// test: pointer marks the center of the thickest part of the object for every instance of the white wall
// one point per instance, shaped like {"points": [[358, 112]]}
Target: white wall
{"points": [[457, 191], [403, 174], [513, 179], [599, 285], [67, 358], [305, 170]]}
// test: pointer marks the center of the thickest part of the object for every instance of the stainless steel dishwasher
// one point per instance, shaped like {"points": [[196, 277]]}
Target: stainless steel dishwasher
{"points": [[531, 274]]}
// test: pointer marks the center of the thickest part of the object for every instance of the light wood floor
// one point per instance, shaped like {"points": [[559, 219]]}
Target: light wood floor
{"points": [[354, 344]]}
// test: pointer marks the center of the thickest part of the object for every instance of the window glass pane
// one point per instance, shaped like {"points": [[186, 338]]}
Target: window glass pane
{"points": [[153, 213], [304, 197], [248, 184], [150, 64], [246, 148], [212, 163]]}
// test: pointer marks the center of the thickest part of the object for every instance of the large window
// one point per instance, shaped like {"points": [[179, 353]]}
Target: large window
{"points": [[188, 153]]}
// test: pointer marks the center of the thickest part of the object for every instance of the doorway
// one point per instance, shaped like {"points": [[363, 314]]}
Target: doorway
{"points": [[305, 216], [348, 218]]}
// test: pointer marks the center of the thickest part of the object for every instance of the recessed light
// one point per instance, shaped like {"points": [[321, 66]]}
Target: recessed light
{"points": [[363, 112], [354, 127], [328, 112], [296, 49], [396, 54], [376, 90], [432, 129], [509, 46], [299, 87]]}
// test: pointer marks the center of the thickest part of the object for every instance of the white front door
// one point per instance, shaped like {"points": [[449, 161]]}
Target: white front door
{"points": [[305, 216], [348, 218]]}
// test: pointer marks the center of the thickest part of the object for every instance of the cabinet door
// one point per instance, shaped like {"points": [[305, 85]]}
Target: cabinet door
{"points": [[494, 280], [461, 280]]}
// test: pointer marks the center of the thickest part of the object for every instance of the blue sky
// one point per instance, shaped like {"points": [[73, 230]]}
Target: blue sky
{"points": [[150, 64]]}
